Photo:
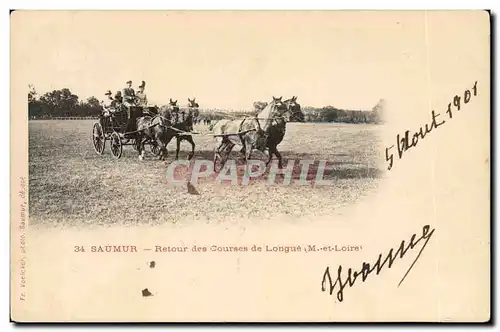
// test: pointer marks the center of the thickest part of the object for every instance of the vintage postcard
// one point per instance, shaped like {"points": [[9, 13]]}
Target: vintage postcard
{"points": [[250, 166]]}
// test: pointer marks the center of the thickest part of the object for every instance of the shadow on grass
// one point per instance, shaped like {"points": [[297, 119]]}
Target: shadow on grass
{"points": [[342, 168]]}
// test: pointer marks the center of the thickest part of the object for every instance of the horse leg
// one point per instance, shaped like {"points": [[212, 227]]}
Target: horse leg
{"points": [[179, 139], [271, 151], [162, 147], [138, 139], [227, 151], [247, 147], [218, 154], [220, 148], [166, 138], [140, 147], [136, 142], [278, 155], [190, 140]]}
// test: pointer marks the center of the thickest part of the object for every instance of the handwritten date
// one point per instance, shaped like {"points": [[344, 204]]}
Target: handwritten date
{"points": [[410, 140]]}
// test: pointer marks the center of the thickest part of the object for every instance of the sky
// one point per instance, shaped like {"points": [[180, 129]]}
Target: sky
{"points": [[228, 60]]}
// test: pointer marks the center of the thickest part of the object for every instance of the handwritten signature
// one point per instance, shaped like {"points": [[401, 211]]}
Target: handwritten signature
{"points": [[367, 269], [409, 141]]}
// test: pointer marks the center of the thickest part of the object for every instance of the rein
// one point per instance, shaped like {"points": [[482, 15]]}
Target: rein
{"points": [[161, 117], [239, 133]]}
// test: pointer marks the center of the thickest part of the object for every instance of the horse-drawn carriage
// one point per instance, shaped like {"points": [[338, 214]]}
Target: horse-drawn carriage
{"points": [[120, 129], [263, 131]]}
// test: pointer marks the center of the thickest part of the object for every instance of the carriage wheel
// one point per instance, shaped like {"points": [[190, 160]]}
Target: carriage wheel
{"points": [[98, 138], [154, 148], [116, 145], [218, 162]]}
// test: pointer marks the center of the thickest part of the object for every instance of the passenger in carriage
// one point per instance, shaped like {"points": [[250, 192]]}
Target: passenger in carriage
{"points": [[108, 108], [118, 101], [108, 104], [118, 97], [142, 99]]}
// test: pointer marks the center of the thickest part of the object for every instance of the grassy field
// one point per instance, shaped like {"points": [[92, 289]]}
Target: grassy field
{"points": [[72, 185]]}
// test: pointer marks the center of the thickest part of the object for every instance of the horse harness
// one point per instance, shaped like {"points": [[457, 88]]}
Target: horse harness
{"points": [[258, 127]]}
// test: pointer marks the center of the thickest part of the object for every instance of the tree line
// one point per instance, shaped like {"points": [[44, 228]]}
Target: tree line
{"points": [[333, 114], [60, 103], [64, 103]]}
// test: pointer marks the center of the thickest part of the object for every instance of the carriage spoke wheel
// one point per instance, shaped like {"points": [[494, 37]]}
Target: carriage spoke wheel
{"points": [[98, 138], [155, 149], [218, 162], [116, 145]]}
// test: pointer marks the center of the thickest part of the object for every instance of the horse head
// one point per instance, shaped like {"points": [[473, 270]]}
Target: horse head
{"points": [[193, 103], [272, 112], [275, 110], [172, 106], [294, 111], [278, 101], [193, 110], [165, 115], [172, 103]]}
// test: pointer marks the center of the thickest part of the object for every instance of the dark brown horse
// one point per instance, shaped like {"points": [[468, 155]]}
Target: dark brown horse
{"points": [[153, 129], [294, 109], [278, 128], [181, 122]]}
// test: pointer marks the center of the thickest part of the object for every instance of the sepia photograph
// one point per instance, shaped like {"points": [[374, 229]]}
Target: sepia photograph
{"points": [[114, 148], [250, 166]]}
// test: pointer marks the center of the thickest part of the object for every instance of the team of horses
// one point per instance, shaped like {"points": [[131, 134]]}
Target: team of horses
{"points": [[261, 132]]}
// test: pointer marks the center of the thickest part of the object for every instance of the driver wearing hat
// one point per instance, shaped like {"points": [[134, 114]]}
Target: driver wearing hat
{"points": [[129, 95]]}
